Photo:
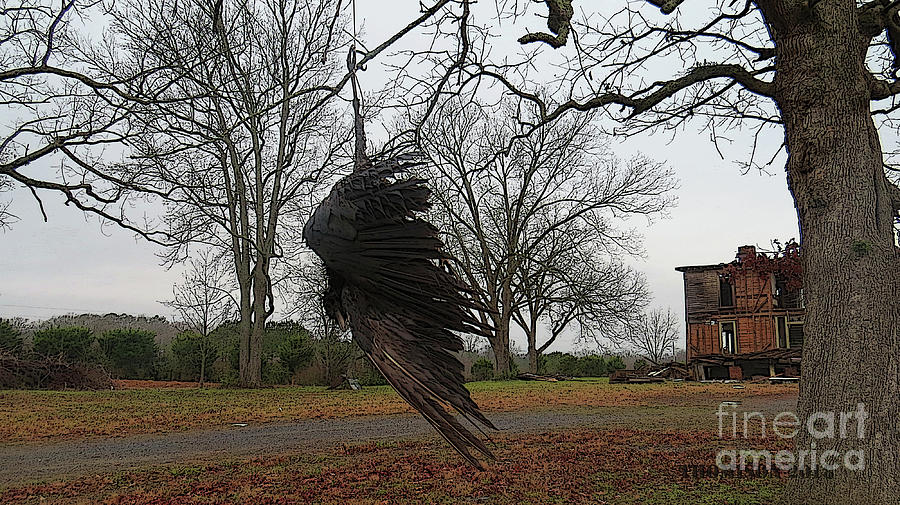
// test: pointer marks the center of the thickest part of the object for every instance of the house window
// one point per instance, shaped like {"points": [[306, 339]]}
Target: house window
{"points": [[795, 334], [729, 337], [785, 298], [781, 333], [726, 292]]}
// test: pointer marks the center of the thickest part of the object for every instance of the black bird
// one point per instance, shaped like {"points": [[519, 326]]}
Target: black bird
{"points": [[389, 278]]}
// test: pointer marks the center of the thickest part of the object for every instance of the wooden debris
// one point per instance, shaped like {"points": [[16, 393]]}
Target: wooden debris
{"points": [[536, 377]]}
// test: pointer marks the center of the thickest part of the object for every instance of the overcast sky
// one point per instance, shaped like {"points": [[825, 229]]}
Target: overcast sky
{"points": [[70, 265]]}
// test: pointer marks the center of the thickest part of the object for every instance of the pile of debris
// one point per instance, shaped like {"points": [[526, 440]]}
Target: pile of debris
{"points": [[673, 371], [633, 377], [49, 373], [527, 376], [775, 365], [656, 373]]}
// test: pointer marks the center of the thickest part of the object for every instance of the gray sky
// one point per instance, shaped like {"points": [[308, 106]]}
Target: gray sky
{"points": [[70, 265]]}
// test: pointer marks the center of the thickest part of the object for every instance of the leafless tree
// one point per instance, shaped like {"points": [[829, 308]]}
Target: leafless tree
{"points": [[246, 137], [652, 335], [223, 109], [63, 117], [503, 200], [472, 342], [572, 284], [203, 300], [335, 349], [822, 76], [7, 218]]}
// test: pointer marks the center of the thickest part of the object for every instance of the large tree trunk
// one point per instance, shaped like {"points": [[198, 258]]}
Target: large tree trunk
{"points": [[245, 328], [850, 263], [533, 353], [500, 344], [500, 340], [260, 292]]}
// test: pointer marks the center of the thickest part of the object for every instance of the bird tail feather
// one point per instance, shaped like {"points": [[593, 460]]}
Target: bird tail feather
{"points": [[432, 406]]}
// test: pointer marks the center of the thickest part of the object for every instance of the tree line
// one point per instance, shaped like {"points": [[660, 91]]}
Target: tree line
{"points": [[290, 354]]}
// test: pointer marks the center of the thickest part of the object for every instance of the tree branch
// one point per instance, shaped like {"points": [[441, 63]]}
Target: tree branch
{"points": [[666, 6], [894, 194], [559, 22], [664, 90]]}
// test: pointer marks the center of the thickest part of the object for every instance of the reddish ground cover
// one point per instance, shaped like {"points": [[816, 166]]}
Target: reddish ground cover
{"points": [[572, 467]]}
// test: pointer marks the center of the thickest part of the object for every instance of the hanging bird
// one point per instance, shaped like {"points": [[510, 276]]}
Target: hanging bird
{"points": [[389, 280]]}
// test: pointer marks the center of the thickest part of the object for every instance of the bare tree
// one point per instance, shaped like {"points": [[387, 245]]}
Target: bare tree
{"points": [[822, 73], [335, 350], [572, 284], [7, 218], [245, 138], [505, 198], [652, 335], [63, 115], [472, 342], [224, 109], [203, 301]]}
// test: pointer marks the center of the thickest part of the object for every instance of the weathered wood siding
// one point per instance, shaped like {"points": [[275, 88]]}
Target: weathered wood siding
{"points": [[754, 311], [701, 294]]}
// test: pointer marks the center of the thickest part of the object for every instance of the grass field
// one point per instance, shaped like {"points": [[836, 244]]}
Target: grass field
{"points": [[661, 435], [56, 415]]}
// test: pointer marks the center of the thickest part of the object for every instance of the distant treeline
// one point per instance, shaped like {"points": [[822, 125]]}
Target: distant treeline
{"points": [[290, 355]]}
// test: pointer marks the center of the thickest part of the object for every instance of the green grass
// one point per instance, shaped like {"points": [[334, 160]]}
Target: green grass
{"points": [[45, 415]]}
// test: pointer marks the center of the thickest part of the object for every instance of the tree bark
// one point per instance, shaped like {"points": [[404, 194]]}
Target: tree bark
{"points": [[500, 345], [850, 262], [260, 292], [245, 329], [500, 342], [533, 352]]}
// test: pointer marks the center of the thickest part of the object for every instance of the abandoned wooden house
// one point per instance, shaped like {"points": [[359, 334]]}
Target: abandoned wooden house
{"points": [[745, 318]]}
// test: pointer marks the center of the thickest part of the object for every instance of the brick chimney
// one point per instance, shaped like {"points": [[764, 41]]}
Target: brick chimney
{"points": [[745, 252]]}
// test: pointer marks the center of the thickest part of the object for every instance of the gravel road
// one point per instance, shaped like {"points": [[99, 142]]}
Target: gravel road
{"points": [[47, 461]]}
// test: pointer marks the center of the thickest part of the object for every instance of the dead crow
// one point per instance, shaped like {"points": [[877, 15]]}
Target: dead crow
{"points": [[389, 278]]}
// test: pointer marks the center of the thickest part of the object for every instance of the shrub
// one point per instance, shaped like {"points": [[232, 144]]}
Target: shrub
{"points": [[615, 363], [274, 372], [640, 364], [592, 366], [129, 353], [188, 356], [368, 375], [482, 370], [559, 363], [295, 352], [72, 343], [335, 356], [49, 373], [287, 348], [10, 338], [568, 365]]}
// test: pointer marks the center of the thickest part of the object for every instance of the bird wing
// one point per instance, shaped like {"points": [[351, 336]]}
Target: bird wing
{"points": [[368, 232], [418, 364], [403, 302]]}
